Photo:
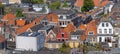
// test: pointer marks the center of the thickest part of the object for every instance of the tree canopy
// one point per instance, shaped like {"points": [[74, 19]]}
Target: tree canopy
{"points": [[19, 13], [38, 1], [1, 5], [33, 1], [88, 5], [65, 4], [55, 5]]}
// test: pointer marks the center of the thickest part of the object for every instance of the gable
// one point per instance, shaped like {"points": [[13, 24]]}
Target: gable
{"points": [[51, 33]]}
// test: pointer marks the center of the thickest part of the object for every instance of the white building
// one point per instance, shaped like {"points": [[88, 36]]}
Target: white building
{"points": [[105, 33], [65, 17], [30, 41], [41, 8]]}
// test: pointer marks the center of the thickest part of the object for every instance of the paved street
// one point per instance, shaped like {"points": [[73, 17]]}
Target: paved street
{"points": [[3, 52]]}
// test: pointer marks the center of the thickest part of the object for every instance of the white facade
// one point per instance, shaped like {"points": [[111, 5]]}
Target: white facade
{"points": [[30, 43], [64, 21], [105, 32]]}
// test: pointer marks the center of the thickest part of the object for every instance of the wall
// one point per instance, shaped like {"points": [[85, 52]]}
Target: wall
{"points": [[26, 43]]}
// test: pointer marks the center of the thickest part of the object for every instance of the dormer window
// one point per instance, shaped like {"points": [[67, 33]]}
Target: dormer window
{"points": [[106, 24], [102, 24]]}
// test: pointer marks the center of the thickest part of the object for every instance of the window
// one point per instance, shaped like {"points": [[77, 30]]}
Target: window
{"points": [[45, 23], [63, 40], [63, 23], [57, 46], [50, 45], [62, 34], [100, 31], [68, 22], [100, 39], [110, 31], [106, 24], [61, 16], [60, 23], [58, 39], [105, 39], [102, 24], [105, 31], [91, 33]]}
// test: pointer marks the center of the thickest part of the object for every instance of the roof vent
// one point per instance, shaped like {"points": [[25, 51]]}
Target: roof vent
{"points": [[30, 34], [20, 19]]}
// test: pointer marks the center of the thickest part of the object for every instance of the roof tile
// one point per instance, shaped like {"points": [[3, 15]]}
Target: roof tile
{"points": [[20, 22], [52, 17], [24, 28]]}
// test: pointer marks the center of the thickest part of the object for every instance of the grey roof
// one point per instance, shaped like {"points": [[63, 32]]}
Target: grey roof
{"points": [[78, 32], [36, 27], [63, 11], [47, 28], [77, 21], [30, 34], [23, 5]]}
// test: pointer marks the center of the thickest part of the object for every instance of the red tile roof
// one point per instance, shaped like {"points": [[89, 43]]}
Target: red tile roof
{"points": [[96, 2], [79, 3], [59, 36], [11, 19], [104, 3], [37, 20], [69, 28], [83, 37], [52, 17], [1, 24], [24, 28], [92, 26], [20, 22], [2, 38], [83, 27], [9, 16]]}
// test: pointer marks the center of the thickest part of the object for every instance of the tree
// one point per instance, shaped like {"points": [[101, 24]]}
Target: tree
{"points": [[88, 5], [55, 5], [37, 1], [33, 1], [19, 13], [65, 4], [65, 49]]}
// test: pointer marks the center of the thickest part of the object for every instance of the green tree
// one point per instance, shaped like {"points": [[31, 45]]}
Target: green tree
{"points": [[33, 1], [65, 4], [1, 5], [37, 1], [88, 5], [65, 49], [19, 13], [55, 5]]}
